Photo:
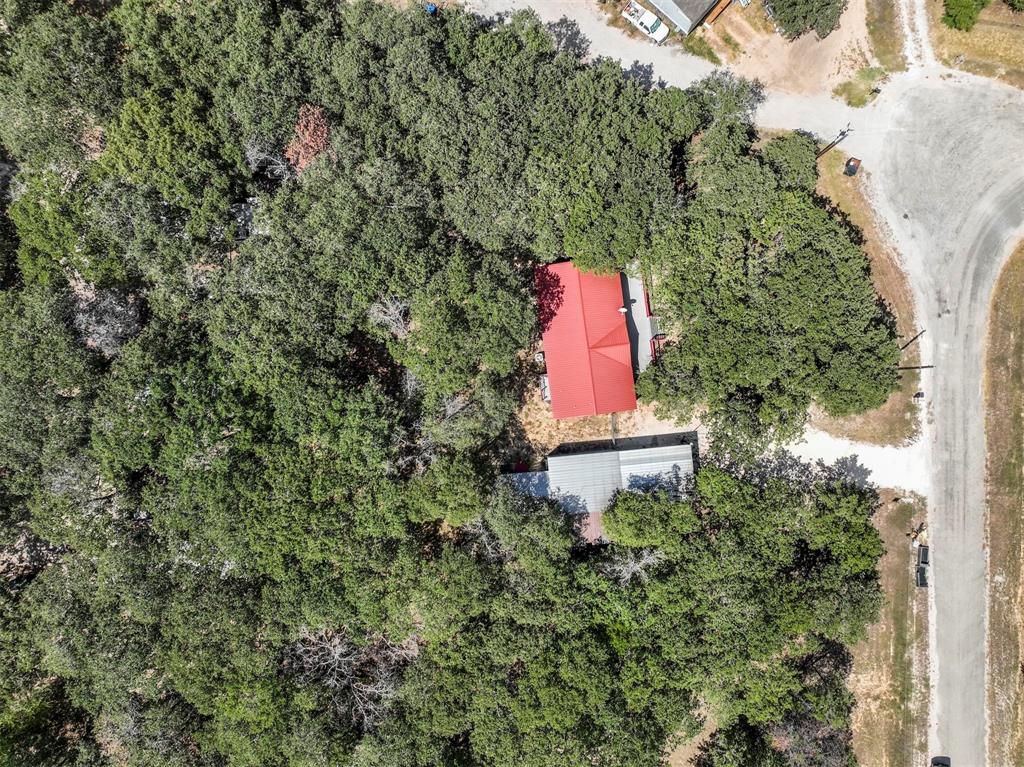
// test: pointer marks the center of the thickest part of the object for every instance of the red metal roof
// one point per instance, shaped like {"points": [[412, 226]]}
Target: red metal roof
{"points": [[586, 344]]}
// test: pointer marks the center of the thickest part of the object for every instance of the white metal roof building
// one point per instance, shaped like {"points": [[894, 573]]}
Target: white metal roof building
{"points": [[686, 15], [583, 477]]}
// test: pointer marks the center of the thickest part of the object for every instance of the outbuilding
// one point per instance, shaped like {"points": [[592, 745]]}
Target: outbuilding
{"points": [[585, 476], [686, 15]]}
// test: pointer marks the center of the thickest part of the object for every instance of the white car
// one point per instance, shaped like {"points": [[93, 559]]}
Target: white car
{"points": [[646, 21]]}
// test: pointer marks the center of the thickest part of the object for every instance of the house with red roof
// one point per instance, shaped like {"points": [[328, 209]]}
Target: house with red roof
{"points": [[589, 349]]}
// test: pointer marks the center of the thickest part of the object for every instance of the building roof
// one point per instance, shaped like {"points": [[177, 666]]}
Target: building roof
{"points": [[685, 14], [585, 482], [586, 343], [584, 477]]}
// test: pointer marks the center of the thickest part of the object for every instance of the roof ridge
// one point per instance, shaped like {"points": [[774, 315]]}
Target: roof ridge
{"points": [[604, 342], [583, 311], [601, 350]]}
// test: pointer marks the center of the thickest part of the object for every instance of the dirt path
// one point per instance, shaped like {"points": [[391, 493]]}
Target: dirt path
{"points": [[902, 467]]}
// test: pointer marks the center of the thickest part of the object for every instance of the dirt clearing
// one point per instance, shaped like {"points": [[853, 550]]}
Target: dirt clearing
{"points": [[541, 432], [890, 667], [895, 422], [1004, 435], [994, 48], [684, 755], [747, 40]]}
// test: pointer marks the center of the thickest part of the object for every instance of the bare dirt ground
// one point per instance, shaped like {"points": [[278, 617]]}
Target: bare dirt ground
{"points": [[890, 666], [994, 48], [896, 422], [687, 752], [748, 42], [542, 433], [1004, 403]]}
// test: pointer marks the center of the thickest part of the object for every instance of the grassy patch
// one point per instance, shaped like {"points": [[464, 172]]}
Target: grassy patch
{"points": [[696, 44], [1004, 431], [757, 17], [859, 91], [993, 48], [886, 34], [896, 422], [889, 679], [735, 49]]}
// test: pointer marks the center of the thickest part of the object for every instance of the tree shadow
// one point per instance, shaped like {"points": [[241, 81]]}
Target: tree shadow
{"points": [[643, 75], [550, 293], [850, 471], [568, 37], [782, 464]]}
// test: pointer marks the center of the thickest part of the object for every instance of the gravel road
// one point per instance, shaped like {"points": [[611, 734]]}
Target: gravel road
{"points": [[949, 180], [944, 155]]}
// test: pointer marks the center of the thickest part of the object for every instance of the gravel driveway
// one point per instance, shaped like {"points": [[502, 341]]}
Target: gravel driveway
{"points": [[944, 154]]}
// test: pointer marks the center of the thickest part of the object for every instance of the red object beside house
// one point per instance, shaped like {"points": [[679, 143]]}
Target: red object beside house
{"points": [[586, 344]]}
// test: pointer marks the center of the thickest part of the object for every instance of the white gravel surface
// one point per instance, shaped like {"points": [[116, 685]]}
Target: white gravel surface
{"points": [[944, 155], [901, 467]]}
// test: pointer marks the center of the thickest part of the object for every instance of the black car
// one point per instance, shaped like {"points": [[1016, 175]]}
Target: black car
{"points": [[922, 555], [940, 761]]}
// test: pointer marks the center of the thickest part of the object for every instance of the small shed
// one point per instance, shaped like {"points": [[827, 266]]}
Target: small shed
{"points": [[585, 476]]}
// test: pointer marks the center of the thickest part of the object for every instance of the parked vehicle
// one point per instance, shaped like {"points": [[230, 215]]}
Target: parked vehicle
{"points": [[941, 761], [922, 576], [922, 555], [646, 21]]}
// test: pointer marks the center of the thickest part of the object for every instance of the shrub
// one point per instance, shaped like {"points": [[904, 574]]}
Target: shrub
{"points": [[963, 14]]}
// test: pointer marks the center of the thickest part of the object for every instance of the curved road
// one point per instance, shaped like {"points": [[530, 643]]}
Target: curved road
{"points": [[948, 180], [944, 156]]}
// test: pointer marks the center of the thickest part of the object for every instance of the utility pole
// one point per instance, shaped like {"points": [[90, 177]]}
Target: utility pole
{"points": [[842, 134], [908, 343]]}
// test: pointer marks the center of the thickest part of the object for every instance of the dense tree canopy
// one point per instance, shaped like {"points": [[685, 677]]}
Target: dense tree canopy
{"points": [[797, 17], [266, 306], [768, 298]]}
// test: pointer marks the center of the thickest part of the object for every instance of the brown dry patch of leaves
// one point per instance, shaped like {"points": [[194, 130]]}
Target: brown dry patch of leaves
{"points": [[312, 137], [684, 754], [542, 432]]}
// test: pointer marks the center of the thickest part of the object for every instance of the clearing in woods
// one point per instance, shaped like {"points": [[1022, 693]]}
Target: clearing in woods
{"points": [[1004, 434], [747, 40]]}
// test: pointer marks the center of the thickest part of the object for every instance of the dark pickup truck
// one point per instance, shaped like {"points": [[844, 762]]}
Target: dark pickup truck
{"points": [[922, 555], [921, 577]]}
